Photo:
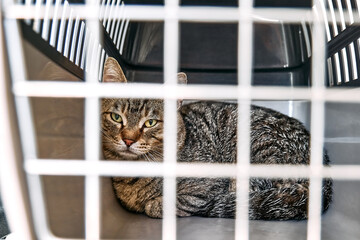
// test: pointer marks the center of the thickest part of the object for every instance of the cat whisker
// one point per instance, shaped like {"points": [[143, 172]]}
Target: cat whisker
{"points": [[152, 157], [155, 158], [147, 159], [156, 152], [156, 155]]}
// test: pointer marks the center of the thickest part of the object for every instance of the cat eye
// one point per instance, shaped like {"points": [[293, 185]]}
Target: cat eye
{"points": [[150, 123], [116, 117]]}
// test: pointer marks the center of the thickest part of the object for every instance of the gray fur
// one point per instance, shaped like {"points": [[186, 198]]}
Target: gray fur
{"points": [[207, 133]]}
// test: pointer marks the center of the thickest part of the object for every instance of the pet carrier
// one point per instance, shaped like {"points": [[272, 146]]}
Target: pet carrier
{"points": [[54, 55]]}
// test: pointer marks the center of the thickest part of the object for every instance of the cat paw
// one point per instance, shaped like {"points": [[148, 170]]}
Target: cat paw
{"points": [[153, 208]]}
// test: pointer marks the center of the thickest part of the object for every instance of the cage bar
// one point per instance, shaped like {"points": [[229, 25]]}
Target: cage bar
{"points": [[14, 199], [26, 128], [80, 90], [171, 54], [145, 169], [92, 134], [245, 40], [317, 128], [186, 14]]}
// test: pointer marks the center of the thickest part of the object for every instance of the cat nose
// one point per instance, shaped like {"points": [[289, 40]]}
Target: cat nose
{"points": [[128, 142]]}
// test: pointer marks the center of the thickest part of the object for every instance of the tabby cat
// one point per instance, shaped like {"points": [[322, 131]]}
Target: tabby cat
{"points": [[132, 129]]}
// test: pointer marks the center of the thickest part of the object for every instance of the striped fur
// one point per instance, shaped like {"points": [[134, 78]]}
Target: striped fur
{"points": [[210, 130], [207, 133]]}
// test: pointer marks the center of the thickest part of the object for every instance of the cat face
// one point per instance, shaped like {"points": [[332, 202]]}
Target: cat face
{"points": [[132, 129]]}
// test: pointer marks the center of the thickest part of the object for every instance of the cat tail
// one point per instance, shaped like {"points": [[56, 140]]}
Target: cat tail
{"points": [[288, 202]]}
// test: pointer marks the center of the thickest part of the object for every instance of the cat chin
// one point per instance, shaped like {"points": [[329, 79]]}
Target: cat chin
{"points": [[127, 155]]}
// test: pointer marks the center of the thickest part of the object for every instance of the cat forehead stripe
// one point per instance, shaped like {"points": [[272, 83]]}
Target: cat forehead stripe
{"points": [[136, 105]]}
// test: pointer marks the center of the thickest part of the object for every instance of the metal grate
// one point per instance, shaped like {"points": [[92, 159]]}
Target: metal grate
{"points": [[171, 13]]}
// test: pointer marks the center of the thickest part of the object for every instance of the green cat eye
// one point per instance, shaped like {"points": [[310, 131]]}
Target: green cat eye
{"points": [[116, 117], [150, 123]]}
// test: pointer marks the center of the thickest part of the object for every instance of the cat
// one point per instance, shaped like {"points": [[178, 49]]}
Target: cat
{"points": [[132, 129]]}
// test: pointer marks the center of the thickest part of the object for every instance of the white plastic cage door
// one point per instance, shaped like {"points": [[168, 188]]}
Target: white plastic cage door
{"points": [[90, 55]]}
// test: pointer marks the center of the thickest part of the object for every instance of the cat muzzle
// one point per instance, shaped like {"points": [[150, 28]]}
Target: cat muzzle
{"points": [[128, 142]]}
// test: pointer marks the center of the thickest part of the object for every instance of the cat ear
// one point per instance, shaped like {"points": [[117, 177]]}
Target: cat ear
{"points": [[113, 71], [182, 79]]}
